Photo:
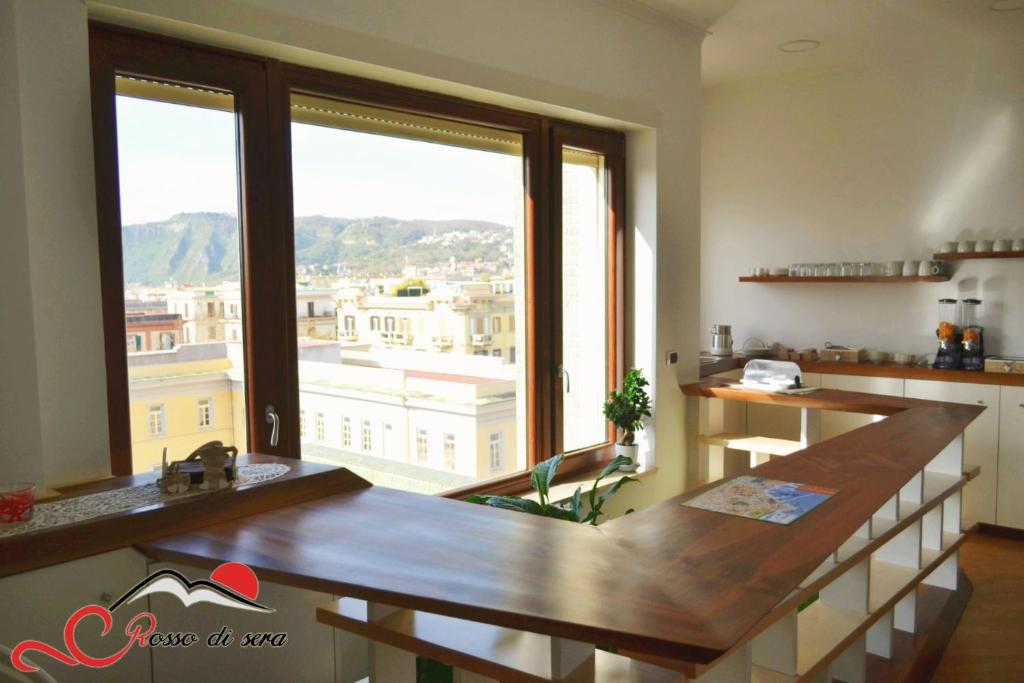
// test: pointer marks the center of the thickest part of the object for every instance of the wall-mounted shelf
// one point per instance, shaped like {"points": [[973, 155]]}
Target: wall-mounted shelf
{"points": [[847, 280], [957, 256]]}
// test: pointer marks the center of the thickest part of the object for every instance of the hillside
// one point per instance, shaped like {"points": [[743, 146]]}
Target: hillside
{"points": [[203, 247]]}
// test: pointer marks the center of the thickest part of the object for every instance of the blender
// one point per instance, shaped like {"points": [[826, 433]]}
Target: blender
{"points": [[972, 333], [950, 353]]}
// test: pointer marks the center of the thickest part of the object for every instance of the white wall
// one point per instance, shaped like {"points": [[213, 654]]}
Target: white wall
{"points": [[875, 165], [53, 418], [581, 59]]}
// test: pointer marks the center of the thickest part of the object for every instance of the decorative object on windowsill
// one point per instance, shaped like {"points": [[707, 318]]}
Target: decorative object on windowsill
{"points": [[573, 511], [212, 466], [626, 410], [17, 502]]}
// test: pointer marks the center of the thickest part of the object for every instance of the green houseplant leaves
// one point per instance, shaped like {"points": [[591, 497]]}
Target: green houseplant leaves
{"points": [[573, 511]]}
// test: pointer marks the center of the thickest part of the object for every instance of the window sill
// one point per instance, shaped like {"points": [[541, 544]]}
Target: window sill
{"points": [[575, 465]]}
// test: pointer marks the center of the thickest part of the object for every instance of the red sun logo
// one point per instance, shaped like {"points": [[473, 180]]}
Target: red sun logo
{"points": [[238, 577]]}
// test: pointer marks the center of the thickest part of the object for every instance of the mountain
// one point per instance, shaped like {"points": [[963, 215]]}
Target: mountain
{"points": [[203, 247]]}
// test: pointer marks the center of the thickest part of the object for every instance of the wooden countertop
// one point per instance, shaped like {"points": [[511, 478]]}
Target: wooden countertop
{"points": [[669, 580], [878, 370], [53, 545]]}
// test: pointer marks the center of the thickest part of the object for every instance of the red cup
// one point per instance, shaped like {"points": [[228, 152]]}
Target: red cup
{"points": [[17, 502]]}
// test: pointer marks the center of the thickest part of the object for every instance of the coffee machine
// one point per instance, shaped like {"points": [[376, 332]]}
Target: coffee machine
{"points": [[972, 335], [950, 353]]}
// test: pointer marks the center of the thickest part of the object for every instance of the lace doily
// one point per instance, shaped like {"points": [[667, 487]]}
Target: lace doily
{"points": [[81, 508]]}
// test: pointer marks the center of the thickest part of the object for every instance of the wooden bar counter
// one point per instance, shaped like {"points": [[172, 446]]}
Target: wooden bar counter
{"points": [[675, 585]]}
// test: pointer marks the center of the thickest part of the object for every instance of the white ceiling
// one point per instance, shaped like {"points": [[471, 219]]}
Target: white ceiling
{"points": [[744, 35]]}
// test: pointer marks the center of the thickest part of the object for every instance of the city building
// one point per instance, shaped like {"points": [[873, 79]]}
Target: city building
{"points": [[382, 415], [211, 314], [474, 318], [152, 331]]}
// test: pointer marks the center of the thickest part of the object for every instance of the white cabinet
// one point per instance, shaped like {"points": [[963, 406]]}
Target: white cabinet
{"points": [[1010, 499], [981, 441], [309, 654], [834, 423], [37, 604]]}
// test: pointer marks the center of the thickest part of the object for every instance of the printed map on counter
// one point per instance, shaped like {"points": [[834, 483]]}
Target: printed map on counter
{"points": [[779, 502]]}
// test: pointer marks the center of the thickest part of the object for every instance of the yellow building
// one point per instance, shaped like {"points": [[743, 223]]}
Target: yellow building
{"points": [[180, 399], [399, 419]]}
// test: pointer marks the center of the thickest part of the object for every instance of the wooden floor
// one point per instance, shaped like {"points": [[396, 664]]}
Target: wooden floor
{"points": [[988, 645]]}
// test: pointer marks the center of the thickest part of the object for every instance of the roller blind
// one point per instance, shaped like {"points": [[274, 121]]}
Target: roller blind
{"points": [[365, 119], [581, 157], [133, 86]]}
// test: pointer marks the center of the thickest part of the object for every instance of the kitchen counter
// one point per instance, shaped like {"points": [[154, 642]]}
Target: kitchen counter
{"points": [[708, 369], [667, 581]]}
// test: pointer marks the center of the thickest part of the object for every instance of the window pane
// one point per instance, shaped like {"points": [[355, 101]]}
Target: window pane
{"points": [[408, 259], [180, 240], [584, 298]]}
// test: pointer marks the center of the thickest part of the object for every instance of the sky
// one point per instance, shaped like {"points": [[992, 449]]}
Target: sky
{"points": [[176, 159]]}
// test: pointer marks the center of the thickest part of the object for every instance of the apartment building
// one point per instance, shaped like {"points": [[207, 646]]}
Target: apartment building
{"points": [[152, 331], [473, 318], [211, 314], [388, 420]]}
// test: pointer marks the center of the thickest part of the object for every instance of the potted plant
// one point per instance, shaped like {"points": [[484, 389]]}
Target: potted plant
{"points": [[576, 509], [626, 410]]}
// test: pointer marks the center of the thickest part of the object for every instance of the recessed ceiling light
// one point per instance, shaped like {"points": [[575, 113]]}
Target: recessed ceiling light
{"points": [[802, 45], [1006, 5]]}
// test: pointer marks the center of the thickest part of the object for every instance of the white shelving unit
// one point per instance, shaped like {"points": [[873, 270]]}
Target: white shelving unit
{"points": [[866, 591]]}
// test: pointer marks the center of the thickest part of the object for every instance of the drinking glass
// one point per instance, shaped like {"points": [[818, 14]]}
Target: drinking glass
{"points": [[17, 502]]}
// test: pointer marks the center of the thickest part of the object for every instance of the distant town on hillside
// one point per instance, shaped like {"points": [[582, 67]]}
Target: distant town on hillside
{"points": [[203, 248]]}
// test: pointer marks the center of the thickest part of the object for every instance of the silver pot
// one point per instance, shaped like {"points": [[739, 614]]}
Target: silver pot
{"points": [[721, 340]]}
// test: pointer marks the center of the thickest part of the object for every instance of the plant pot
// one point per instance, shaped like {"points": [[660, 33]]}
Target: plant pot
{"points": [[630, 452]]}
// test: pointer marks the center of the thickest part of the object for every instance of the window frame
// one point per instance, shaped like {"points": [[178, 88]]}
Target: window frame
{"points": [[498, 444], [346, 431], [161, 412], [319, 427], [262, 87], [115, 50], [209, 413]]}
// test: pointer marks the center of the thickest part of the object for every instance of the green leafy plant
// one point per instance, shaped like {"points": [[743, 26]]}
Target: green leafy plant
{"points": [[573, 510], [626, 409]]}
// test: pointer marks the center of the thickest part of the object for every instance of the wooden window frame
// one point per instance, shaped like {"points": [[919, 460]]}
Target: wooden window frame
{"points": [[262, 89], [113, 51]]}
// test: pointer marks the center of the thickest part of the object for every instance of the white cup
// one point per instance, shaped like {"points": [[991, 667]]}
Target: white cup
{"points": [[948, 247], [1018, 244], [983, 246], [910, 268], [928, 268], [965, 247], [1001, 245]]}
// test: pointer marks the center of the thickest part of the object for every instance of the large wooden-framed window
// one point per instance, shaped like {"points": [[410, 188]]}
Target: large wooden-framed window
{"points": [[571, 215]]}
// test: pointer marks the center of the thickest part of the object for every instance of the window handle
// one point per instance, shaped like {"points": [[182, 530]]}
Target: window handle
{"points": [[274, 420], [562, 372]]}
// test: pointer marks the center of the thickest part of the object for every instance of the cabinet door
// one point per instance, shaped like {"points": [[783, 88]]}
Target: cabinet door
{"points": [[981, 441], [1010, 501], [308, 655], [834, 422], [37, 604]]}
